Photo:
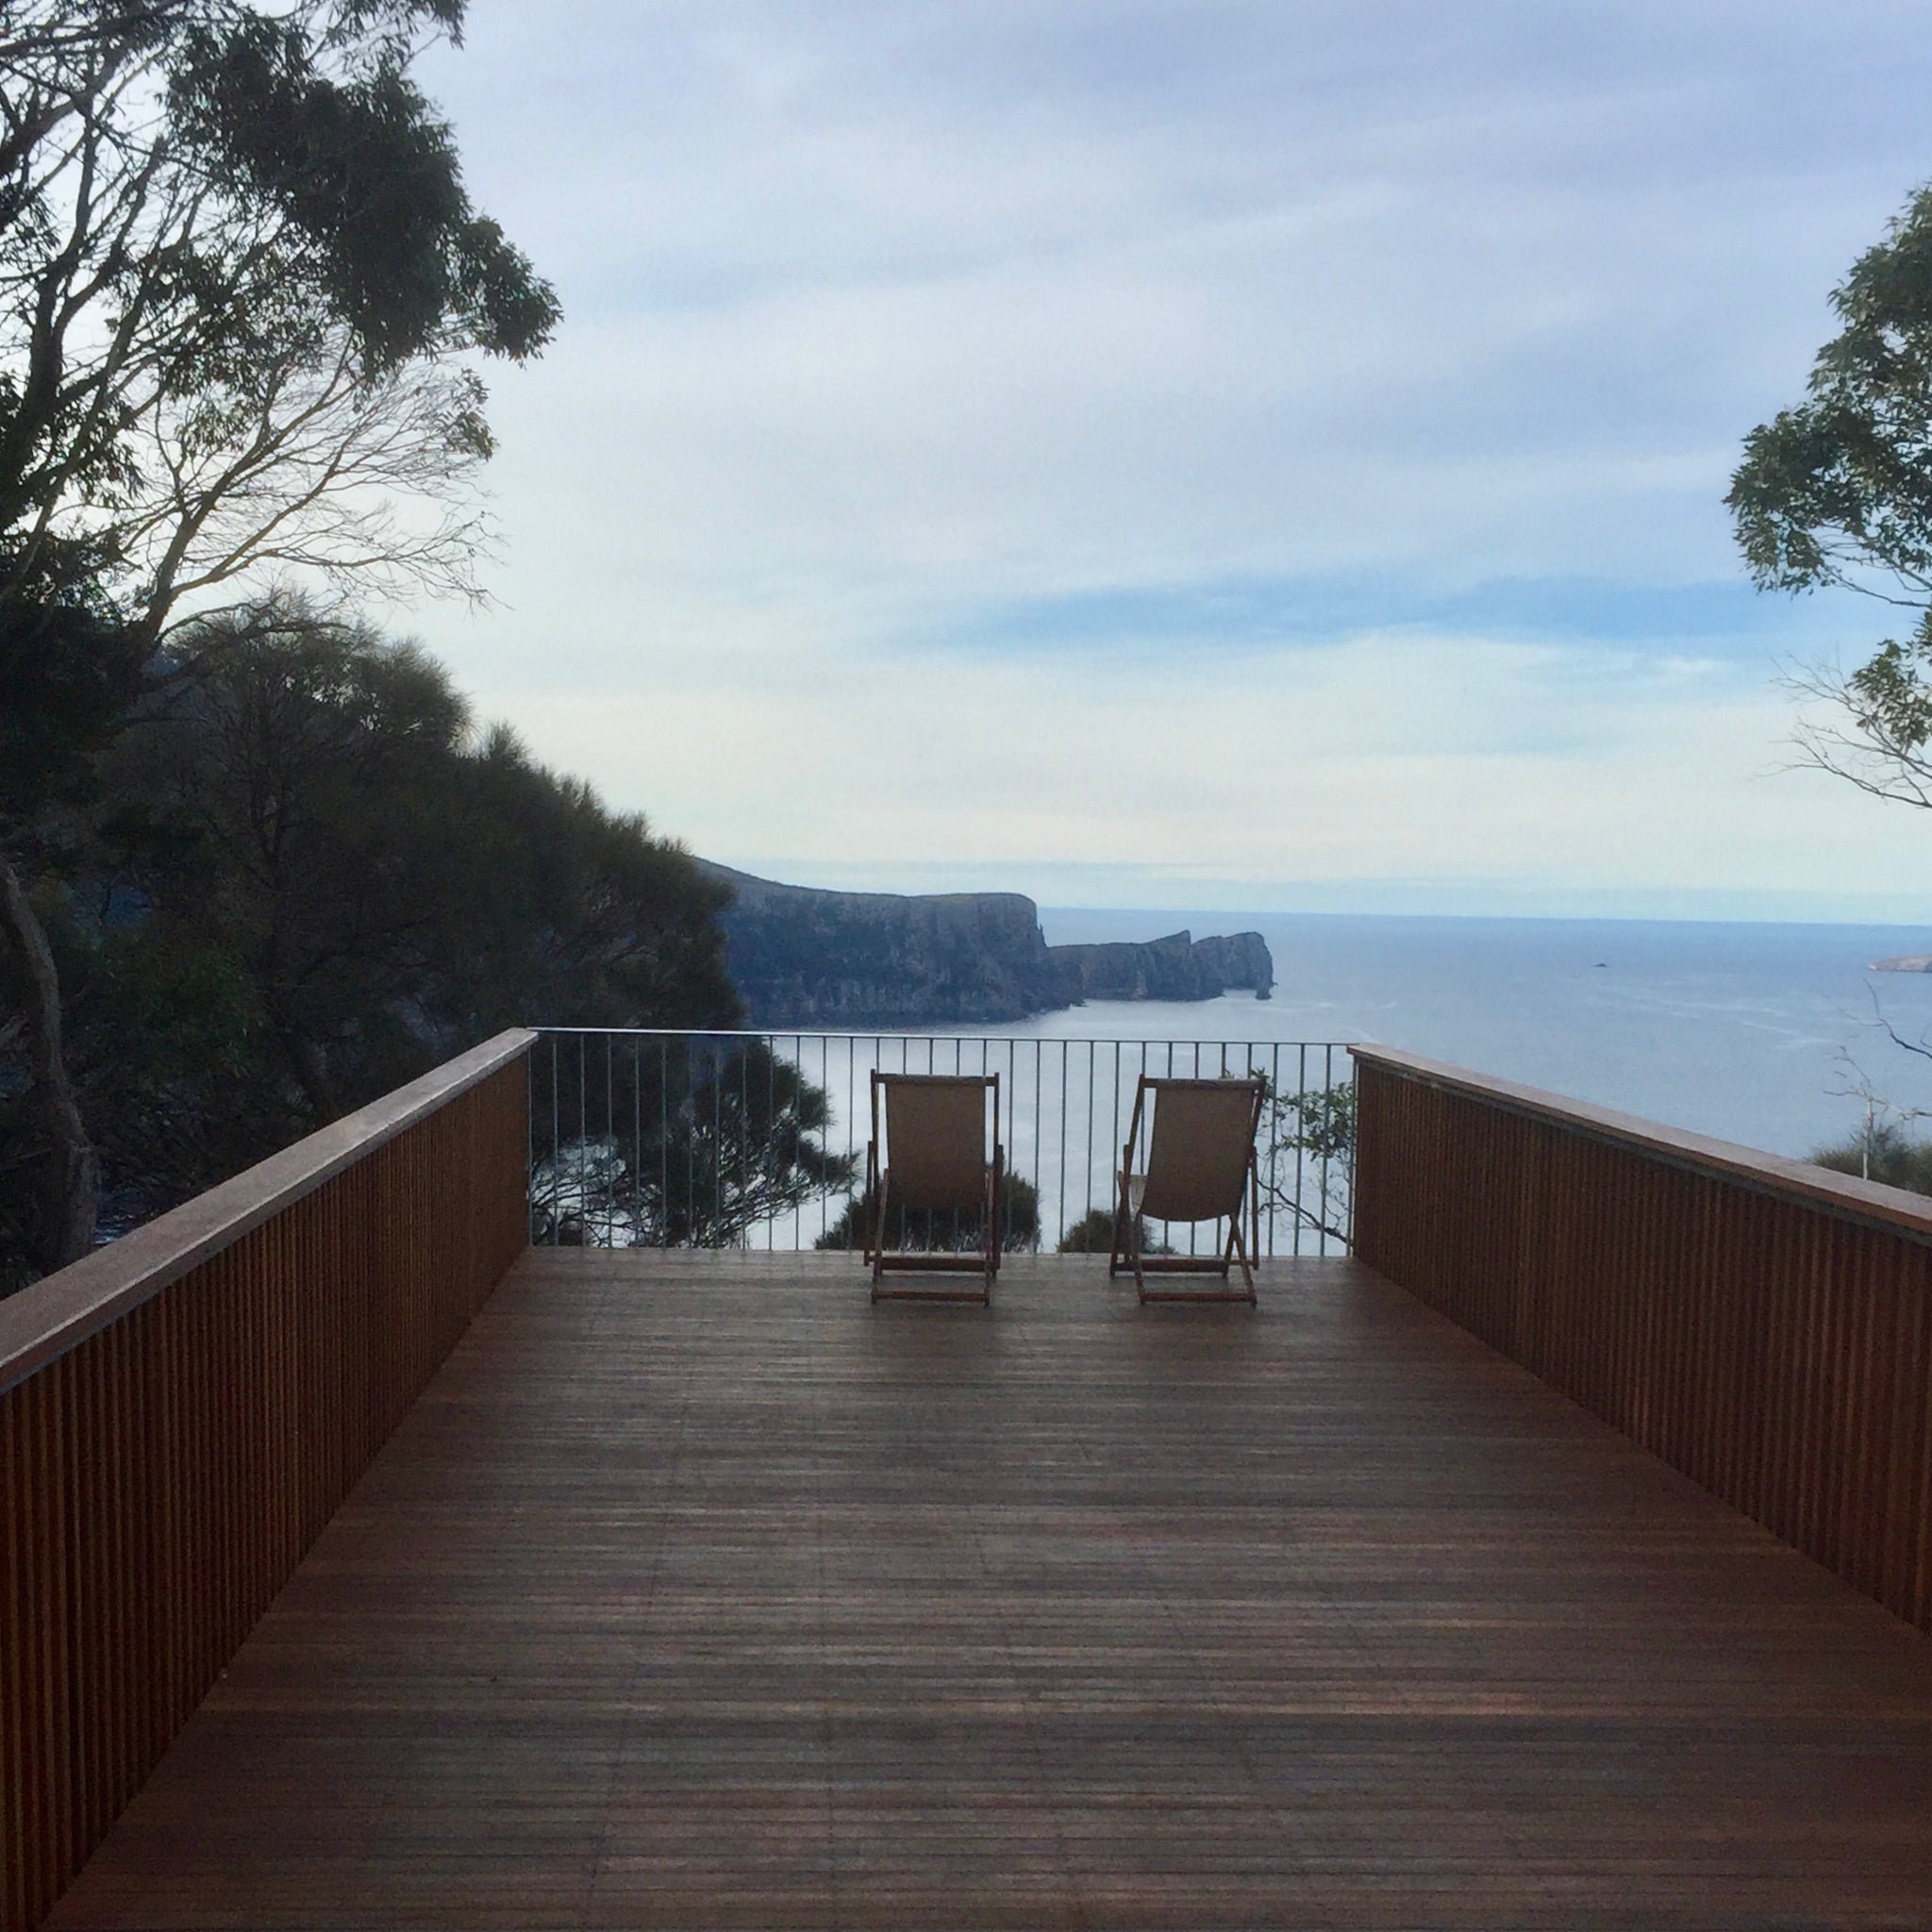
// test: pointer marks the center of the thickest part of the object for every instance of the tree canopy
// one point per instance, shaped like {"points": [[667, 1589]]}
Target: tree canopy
{"points": [[304, 880], [239, 277], [243, 301], [1837, 491]]}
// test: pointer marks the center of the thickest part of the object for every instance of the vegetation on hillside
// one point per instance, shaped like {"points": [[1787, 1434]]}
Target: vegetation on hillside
{"points": [[244, 300], [299, 880]]}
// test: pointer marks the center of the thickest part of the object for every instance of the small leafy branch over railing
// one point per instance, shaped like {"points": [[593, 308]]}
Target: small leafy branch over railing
{"points": [[1307, 1166]]}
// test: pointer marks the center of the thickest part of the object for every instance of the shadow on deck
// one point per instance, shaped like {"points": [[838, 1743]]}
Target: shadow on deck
{"points": [[698, 1591]]}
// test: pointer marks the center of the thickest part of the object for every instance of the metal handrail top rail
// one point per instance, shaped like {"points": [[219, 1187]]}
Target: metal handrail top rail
{"points": [[964, 1030]]}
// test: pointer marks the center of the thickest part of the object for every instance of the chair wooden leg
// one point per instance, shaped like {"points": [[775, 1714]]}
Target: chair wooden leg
{"points": [[992, 1232], [871, 1226], [1238, 1247], [1117, 1251], [1135, 1235]]}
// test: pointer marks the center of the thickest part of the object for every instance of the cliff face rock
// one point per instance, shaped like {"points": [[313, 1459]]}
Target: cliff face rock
{"points": [[805, 958], [850, 960], [1178, 967]]}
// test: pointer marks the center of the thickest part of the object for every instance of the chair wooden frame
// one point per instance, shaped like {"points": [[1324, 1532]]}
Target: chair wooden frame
{"points": [[1241, 1194], [880, 1195]]}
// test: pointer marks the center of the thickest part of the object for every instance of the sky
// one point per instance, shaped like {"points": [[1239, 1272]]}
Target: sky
{"points": [[1183, 453]]}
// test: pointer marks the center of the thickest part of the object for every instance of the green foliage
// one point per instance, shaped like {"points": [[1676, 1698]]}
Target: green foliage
{"points": [[238, 253], [240, 283], [1885, 1154], [1838, 487], [1836, 490], [923, 1232], [1094, 1234], [1892, 701], [1306, 1147], [69, 671], [1317, 1122], [703, 1141], [306, 885]]}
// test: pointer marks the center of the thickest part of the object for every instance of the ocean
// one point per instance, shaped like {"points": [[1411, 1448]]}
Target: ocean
{"points": [[1753, 1033], [1756, 1034]]}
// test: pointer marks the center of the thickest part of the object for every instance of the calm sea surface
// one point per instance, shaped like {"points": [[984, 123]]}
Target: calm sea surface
{"points": [[1749, 1032]]}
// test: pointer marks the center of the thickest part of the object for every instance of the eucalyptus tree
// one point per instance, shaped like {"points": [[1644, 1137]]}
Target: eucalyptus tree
{"points": [[308, 879], [1836, 492], [243, 296]]}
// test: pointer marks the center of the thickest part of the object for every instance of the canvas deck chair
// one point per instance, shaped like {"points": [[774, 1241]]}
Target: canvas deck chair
{"points": [[1198, 1164], [934, 1159]]}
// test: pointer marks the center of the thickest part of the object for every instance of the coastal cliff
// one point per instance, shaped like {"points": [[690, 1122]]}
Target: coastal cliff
{"points": [[801, 957], [804, 957], [1178, 967]]}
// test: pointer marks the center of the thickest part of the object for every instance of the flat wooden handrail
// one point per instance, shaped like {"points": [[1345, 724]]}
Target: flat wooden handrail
{"points": [[54, 1315], [1844, 1194]]}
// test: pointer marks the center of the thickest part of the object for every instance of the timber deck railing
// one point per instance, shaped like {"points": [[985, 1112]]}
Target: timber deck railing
{"points": [[183, 1412], [1762, 1324]]}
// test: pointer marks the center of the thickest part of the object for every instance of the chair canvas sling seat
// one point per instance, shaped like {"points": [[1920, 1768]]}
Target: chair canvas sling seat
{"points": [[1200, 1166], [929, 1156]]}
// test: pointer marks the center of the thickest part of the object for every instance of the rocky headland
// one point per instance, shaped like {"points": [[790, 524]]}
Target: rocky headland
{"points": [[801, 957], [1178, 967]]}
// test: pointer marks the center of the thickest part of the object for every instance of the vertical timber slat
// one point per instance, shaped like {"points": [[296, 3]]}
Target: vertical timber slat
{"points": [[1762, 1326], [173, 1440]]}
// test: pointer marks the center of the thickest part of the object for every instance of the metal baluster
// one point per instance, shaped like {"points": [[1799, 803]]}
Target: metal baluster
{"points": [[1355, 1115], [1327, 1092], [1300, 1138], [1273, 1137], [1061, 1206]]}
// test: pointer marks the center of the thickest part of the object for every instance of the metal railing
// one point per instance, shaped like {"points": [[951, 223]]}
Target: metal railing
{"points": [[754, 1140]]}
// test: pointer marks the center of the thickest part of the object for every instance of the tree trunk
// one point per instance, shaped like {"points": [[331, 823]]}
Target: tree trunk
{"points": [[74, 1188]]}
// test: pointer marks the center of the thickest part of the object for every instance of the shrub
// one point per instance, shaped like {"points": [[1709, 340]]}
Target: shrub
{"points": [[943, 1233], [1093, 1234], [1885, 1154]]}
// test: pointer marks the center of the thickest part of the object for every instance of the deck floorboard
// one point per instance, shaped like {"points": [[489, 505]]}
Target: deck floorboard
{"points": [[699, 1592]]}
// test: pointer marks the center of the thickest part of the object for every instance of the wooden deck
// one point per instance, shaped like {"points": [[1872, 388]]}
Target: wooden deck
{"points": [[697, 1592]]}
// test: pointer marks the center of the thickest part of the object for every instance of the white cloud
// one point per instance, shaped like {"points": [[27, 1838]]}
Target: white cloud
{"points": [[1500, 767], [878, 316]]}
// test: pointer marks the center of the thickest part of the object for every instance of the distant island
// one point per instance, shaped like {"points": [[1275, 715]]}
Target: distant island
{"points": [[801, 957], [1905, 962]]}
